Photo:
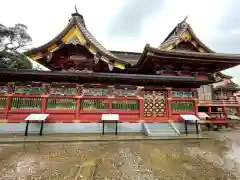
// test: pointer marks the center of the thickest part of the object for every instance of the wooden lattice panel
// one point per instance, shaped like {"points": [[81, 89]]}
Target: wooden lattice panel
{"points": [[154, 103]]}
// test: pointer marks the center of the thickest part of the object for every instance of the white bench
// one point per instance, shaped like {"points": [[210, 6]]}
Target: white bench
{"points": [[35, 118], [109, 118]]}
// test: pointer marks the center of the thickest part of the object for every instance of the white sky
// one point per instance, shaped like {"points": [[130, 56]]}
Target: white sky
{"points": [[46, 18]]}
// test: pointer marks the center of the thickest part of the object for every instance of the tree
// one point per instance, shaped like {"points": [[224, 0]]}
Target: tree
{"points": [[13, 40]]}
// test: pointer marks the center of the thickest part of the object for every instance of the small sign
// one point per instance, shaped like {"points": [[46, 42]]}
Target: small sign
{"points": [[110, 117], [37, 117], [189, 117]]}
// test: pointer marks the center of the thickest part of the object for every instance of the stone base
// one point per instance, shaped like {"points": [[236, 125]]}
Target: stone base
{"points": [[50, 128]]}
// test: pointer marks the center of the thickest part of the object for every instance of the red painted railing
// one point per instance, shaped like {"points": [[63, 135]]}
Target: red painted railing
{"points": [[10, 112], [17, 113]]}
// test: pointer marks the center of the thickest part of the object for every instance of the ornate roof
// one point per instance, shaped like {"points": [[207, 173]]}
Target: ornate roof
{"points": [[183, 32], [76, 32], [223, 60]]}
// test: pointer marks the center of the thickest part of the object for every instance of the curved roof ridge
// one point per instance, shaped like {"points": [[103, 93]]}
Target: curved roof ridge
{"points": [[88, 35], [174, 37], [51, 42], [76, 29]]}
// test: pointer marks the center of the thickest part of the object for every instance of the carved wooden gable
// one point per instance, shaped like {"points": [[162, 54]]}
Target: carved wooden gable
{"points": [[183, 38]]}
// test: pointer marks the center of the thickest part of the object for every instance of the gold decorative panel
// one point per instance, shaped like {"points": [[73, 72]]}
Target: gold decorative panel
{"points": [[154, 103]]}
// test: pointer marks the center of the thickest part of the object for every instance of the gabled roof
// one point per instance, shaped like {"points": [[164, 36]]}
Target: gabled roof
{"points": [[219, 76], [76, 32], [226, 84], [225, 60], [183, 32]]}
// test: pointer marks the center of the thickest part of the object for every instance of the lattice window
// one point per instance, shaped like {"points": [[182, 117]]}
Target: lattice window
{"points": [[154, 103], [63, 91], [125, 92], [95, 91], [129, 105], [26, 103], [28, 90], [182, 94], [54, 103], [94, 104], [182, 106], [3, 101], [3, 89]]}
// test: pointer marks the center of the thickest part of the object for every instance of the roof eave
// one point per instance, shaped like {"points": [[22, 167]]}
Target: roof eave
{"points": [[208, 50], [55, 40], [216, 56]]}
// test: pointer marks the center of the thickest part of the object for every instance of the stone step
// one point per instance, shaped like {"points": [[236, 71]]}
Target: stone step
{"points": [[163, 134], [160, 129]]}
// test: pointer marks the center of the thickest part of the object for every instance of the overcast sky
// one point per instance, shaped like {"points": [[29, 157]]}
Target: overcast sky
{"points": [[129, 24]]}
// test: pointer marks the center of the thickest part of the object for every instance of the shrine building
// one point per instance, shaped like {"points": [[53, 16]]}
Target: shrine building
{"points": [[87, 80]]}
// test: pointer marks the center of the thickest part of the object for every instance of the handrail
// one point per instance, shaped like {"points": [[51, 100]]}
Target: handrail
{"points": [[174, 127]]}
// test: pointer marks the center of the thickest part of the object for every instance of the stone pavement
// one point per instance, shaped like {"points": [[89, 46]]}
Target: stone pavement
{"points": [[203, 159], [19, 138]]}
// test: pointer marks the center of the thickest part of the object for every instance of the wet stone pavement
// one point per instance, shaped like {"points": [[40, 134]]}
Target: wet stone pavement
{"points": [[137, 160]]}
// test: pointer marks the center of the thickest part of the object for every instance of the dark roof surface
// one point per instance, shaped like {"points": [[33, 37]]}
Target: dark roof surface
{"points": [[130, 57]]}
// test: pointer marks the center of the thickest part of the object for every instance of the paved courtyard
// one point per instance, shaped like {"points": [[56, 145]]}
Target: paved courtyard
{"points": [[137, 160]]}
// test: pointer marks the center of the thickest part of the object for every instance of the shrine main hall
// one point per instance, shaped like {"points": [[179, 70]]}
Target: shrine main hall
{"points": [[148, 89]]}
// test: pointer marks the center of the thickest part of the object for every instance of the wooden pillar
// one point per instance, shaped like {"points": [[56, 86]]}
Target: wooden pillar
{"points": [[169, 102], [44, 98], [78, 101], [141, 102]]}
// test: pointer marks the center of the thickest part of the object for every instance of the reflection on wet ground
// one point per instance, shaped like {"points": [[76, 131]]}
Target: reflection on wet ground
{"points": [[151, 160]]}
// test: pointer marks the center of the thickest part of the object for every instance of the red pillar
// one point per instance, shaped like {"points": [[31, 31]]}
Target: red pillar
{"points": [[44, 98], [141, 102], [110, 98], [195, 101], [78, 102], [209, 109], [169, 103], [8, 101]]}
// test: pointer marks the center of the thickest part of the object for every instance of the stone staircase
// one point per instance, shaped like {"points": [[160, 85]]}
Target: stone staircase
{"points": [[159, 129]]}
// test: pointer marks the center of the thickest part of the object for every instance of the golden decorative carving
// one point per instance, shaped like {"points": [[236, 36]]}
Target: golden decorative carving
{"points": [[154, 103]]}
